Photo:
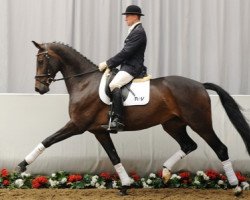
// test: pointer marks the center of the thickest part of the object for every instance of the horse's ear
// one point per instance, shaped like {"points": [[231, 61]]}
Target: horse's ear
{"points": [[37, 45]]}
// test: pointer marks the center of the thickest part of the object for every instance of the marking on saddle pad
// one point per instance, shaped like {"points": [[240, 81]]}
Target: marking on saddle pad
{"points": [[140, 89]]}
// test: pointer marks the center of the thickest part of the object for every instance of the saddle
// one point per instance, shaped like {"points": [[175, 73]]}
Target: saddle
{"points": [[135, 92]]}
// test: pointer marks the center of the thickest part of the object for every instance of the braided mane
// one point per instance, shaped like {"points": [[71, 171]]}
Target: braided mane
{"points": [[74, 51]]}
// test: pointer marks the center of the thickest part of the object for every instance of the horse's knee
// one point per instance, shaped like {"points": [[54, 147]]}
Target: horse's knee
{"points": [[187, 148]]}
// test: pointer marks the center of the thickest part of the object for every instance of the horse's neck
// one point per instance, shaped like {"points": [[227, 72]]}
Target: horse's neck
{"points": [[73, 65], [82, 82]]}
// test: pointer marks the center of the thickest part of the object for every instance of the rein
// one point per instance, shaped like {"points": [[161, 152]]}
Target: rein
{"points": [[73, 76]]}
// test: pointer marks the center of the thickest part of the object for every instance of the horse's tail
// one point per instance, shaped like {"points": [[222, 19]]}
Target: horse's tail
{"points": [[233, 111]]}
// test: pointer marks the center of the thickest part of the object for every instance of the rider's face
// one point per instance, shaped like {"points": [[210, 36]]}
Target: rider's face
{"points": [[131, 19]]}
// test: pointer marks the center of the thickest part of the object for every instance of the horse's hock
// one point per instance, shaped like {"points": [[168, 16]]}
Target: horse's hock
{"points": [[27, 119]]}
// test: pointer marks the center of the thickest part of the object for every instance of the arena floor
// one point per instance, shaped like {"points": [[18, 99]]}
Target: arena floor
{"points": [[111, 194]]}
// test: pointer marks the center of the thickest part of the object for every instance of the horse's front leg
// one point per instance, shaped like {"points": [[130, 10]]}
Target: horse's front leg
{"points": [[107, 143], [67, 131]]}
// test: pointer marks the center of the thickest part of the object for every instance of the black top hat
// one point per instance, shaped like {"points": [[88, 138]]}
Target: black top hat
{"points": [[133, 10]]}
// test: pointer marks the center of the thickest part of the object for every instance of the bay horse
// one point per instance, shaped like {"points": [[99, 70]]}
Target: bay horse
{"points": [[175, 103]]}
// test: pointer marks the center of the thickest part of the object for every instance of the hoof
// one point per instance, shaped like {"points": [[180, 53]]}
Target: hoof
{"points": [[21, 167], [237, 191], [123, 190], [166, 175], [18, 169]]}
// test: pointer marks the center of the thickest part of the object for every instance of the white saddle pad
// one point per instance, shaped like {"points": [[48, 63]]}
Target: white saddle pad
{"points": [[140, 95]]}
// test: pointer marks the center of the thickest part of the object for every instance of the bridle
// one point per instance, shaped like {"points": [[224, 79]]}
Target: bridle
{"points": [[49, 75]]}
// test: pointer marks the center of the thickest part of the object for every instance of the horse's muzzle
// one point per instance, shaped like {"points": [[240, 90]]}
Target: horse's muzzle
{"points": [[42, 90]]}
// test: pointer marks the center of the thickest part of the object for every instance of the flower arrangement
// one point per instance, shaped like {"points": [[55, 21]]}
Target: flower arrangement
{"points": [[210, 179], [61, 179]]}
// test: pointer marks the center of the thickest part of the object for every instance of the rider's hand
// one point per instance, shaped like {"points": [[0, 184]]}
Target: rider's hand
{"points": [[102, 66]]}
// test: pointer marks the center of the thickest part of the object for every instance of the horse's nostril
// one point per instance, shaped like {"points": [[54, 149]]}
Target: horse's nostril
{"points": [[36, 89]]}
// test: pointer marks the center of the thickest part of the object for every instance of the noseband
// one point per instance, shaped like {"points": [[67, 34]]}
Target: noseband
{"points": [[50, 76]]}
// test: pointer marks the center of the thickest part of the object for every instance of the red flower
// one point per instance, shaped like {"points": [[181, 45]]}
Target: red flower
{"points": [[240, 177], [184, 175], [159, 173], [114, 177], [222, 177], [105, 175], [42, 179], [135, 176], [39, 181], [213, 175], [74, 178], [36, 184], [4, 173], [6, 182]]}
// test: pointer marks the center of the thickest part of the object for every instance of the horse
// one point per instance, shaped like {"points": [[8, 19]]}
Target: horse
{"points": [[175, 103]]}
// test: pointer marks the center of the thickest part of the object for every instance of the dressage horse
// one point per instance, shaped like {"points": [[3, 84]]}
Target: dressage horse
{"points": [[175, 103]]}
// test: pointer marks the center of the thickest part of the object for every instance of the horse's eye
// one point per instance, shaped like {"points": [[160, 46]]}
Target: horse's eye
{"points": [[40, 61]]}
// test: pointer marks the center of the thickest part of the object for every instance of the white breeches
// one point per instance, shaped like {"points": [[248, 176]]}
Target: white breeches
{"points": [[120, 79]]}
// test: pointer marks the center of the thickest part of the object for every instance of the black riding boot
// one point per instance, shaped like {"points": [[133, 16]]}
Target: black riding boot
{"points": [[117, 122]]}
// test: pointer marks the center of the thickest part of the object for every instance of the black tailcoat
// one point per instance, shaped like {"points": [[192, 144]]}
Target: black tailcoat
{"points": [[131, 57]]}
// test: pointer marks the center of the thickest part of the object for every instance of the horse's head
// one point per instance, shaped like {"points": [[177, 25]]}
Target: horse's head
{"points": [[47, 66]]}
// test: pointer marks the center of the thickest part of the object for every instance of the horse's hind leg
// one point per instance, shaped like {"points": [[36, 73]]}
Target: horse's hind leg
{"points": [[202, 124], [177, 129], [220, 149]]}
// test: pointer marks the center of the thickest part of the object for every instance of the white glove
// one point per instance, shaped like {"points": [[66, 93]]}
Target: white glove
{"points": [[102, 66]]}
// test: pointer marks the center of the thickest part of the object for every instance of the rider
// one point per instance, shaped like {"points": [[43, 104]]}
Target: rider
{"points": [[131, 59]]}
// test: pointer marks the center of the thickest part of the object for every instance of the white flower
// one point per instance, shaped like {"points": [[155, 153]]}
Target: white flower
{"points": [[142, 179], [53, 175], [132, 180], [196, 182], [145, 185], [206, 178], [114, 184], [152, 175], [64, 180], [53, 183], [173, 176], [93, 180], [149, 181], [245, 185], [101, 187], [97, 185], [200, 173], [24, 175], [92, 183], [220, 182], [19, 183]]}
